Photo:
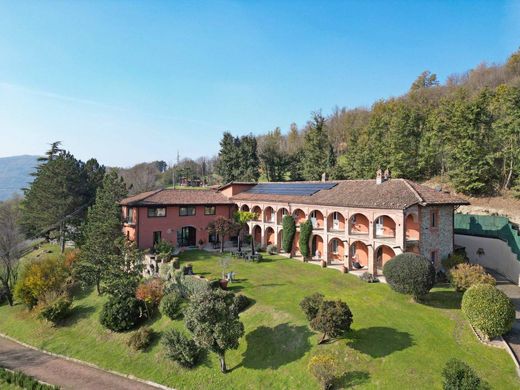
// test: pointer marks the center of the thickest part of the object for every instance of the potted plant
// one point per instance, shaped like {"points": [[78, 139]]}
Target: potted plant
{"points": [[201, 243], [223, 284], [344, 269], [323, 264]]}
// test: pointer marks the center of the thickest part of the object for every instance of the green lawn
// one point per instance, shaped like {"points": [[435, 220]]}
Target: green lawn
{"points": [[394, 344]]}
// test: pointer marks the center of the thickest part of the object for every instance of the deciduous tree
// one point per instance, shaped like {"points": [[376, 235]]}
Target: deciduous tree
{"points": [[213, 320]]}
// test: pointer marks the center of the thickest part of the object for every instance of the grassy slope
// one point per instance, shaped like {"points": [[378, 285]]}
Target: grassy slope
{"points": [[394, 343]]}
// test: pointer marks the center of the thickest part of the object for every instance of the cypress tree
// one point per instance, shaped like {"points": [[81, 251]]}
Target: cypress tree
{"points": [[305, 236], [289, 230]]}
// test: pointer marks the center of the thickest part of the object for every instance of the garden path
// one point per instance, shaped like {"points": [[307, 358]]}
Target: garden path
{"points": [[58, 371]]}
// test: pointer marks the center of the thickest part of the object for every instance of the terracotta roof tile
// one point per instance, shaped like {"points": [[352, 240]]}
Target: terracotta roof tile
{"points": [[392, 194], [174, 197]]}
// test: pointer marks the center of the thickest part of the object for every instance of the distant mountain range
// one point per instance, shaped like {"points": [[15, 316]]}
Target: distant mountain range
{"points": [[15, 174]]}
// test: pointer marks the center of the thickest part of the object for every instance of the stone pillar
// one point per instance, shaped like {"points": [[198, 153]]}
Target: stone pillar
{"points": [[371, 260], [325, 254]]}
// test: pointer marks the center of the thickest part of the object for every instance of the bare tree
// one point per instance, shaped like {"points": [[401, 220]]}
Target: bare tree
{"points": [[11, 242], [141, 177]]}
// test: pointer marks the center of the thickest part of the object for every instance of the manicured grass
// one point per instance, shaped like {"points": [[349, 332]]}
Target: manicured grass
{"points": [[394, 344]]}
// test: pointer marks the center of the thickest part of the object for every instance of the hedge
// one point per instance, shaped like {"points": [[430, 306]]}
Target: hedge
{"points": [[488, 309]]}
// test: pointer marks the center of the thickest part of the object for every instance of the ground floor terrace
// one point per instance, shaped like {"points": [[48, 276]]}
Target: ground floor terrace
{"points": [[366, 238]]}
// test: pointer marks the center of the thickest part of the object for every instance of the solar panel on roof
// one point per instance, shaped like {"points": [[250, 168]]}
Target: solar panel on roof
{"points": [[298, 189]]}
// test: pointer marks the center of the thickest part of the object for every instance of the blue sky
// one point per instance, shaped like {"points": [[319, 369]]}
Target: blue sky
{"points": [[131, 81]]}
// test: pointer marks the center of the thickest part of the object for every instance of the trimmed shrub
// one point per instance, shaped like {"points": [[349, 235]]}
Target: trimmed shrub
{"points": [[463, 276], [187, 285], [181, 349], [459, 376], [121, 313], [305, 236], [289, 230], [323, 368], [23, 381], [453, 260], [369, 278], [488, 309], [272, 249], [140, 339], [311, 305], [57, 310], [333, 319], [409, 273], [171, 305], [242, 302]]}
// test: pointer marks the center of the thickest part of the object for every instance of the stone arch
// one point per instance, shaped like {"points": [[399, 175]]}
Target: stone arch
{"points": [[299, 216], [317, 247], [257, 234], [282, 211], [384, 226], [296, 243], [279, 240], [270, 236], [382, 254], [359, 253], [269, 214], [336, 249], [318, 221], [258, 211], [359, 224], [244, 207], [336, 221], [411, 227]]}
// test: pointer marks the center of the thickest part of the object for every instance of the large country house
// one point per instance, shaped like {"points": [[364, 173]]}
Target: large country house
{"points": [[362, 221]]}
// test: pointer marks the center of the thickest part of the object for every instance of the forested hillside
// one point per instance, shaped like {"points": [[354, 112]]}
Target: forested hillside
{"points": [[466, 131], [15, 173]]}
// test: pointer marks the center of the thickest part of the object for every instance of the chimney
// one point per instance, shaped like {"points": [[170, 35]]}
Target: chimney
{"points": [[379, 176], [324, 176]]}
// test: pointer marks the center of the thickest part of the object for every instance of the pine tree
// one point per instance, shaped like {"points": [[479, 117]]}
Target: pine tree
{"points": [[228, 158], [315, 150], [57, 196], [101, 232], [248, 163]]}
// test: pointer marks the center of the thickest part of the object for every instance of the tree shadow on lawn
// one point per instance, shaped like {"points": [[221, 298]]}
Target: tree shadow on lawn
{"points": [[77, 313], [443, 299], [79, 292], [274, 347], [379, 341], [156, 339], [352, 378]]}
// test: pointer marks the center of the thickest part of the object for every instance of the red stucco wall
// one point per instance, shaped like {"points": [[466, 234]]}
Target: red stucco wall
{"points": [[172, 222]]}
